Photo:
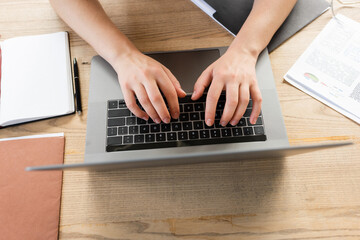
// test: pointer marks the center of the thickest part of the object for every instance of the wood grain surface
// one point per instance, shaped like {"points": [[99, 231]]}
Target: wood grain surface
{"points": [[309, 196]]}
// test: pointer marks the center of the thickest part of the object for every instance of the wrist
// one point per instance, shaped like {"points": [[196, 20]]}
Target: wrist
{"points": [[244, 48], [122, 54]]}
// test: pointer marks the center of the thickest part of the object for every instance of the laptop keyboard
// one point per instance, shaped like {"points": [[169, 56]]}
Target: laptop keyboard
{"points": [[127, 132]]}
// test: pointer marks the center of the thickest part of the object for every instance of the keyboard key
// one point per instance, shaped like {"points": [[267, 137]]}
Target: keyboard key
{"points": [[182, 135], [112, 131], [133, 129], [237, 132], [226, 132], [258, 122], [193, 134], [215, 133], [218, 115], [259, 130], [128, 139], [185, 99], [199, 107], [250, 103], [204, 134], [119, 113], [130, 120], [181, 108], [149, 137], [247, 113], [139, 138], [188, 108], [114, 140], [140, 121], [220, 106], [116, 122], [217, 124], [112, 104], [123, 130], [187, 126], [160, 137], [155, 128], [208, 127], [176, 126], [165, 127], [242, 122], [171, 136], [248, 131], [184, 117], [202, 115], [194, 116], [198, 125], [144, 128], [122, 104]]}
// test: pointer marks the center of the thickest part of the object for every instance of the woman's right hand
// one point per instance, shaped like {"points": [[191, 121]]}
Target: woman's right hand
{"points": [[145, 78]]}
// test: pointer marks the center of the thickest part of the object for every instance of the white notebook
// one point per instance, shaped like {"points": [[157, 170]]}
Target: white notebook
{"points": [[36, 78]]}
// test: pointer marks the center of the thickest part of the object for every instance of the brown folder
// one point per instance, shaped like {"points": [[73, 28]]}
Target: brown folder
{"points": [[30, 201]]}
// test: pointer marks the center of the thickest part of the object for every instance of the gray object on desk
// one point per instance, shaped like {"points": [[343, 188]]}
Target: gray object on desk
{"points": [[104, 86], [231, 14]]}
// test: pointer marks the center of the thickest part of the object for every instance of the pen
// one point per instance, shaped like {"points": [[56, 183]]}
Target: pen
{"points": [[77, 88]]}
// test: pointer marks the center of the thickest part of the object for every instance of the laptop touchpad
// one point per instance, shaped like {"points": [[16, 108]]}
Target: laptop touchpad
{"points": [[187, 66]]}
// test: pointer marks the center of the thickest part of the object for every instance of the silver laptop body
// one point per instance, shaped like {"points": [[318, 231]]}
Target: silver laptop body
{"points": [[104, 86]]}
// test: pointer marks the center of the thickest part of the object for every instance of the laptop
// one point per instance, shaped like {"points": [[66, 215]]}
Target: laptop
{"points": [[115, 138]]}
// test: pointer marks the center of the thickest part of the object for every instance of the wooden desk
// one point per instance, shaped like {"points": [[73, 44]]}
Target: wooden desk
{"points": [[314, 195]]}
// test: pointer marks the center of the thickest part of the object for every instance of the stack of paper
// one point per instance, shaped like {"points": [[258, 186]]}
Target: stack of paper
{"points": [[329, 69]]}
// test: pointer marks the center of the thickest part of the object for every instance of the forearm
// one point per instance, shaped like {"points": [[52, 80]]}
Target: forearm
{"points": [[264, 19], [89, 20]]}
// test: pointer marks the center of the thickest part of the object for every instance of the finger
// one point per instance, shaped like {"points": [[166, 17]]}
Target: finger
{"points": [[232, 99], [131, 104], [146, 103], [180, 92], [257, 100], [203, 81], [211, 102], [242, 104], [157, 101], [170, 94]]}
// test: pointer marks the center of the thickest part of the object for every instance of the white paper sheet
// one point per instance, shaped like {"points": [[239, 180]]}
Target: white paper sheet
{"points": [[329, 69]]}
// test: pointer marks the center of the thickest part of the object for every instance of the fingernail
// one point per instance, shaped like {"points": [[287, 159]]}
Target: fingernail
{"points": [[222, 123], [166, 120], [157, 120], [176, 115], [253, 121], [145, 118], [193, 94], [209, 122], [233, 123]]}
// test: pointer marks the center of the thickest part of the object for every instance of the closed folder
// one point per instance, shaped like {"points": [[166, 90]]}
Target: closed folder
{"points": [[30, 202]]}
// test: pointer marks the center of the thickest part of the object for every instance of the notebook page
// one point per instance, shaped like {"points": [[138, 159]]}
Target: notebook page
{"points": [[36, 78]]}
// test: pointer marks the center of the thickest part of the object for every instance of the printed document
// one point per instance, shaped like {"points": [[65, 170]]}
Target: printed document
{"points": [[329, 69]]}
